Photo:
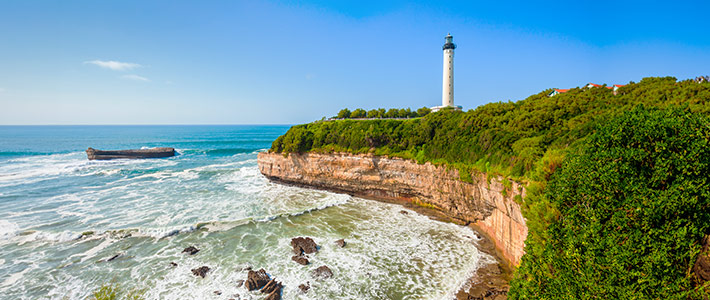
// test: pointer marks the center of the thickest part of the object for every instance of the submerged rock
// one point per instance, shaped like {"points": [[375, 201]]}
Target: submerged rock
{"points": [[341, 243], [256, 279], [240, 282], [191, 250], [300, 259], [173, 264], [303, 245], [404, 212], [322, 272], [114, 257], [201, 271]]}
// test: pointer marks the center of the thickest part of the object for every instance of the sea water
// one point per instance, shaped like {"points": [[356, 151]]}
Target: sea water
{"points": [[69, 225]]}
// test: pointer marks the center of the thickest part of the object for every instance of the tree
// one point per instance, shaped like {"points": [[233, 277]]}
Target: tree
{"points": [[358, 113], [392, 113], [344, 114], [373, 114], [423, 111]]}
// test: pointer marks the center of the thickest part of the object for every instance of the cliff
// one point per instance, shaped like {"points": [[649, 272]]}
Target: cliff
{"points": [[486, 203]]}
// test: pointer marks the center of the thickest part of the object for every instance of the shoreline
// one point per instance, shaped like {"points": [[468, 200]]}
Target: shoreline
{"points": [[489, 282]]}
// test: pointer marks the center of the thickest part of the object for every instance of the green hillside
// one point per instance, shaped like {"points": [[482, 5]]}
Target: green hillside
{"points": [[618, 198]]}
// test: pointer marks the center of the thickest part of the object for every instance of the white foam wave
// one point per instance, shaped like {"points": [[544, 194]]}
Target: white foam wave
{"points": [[8, 229], [13, 278], [43, 236]]}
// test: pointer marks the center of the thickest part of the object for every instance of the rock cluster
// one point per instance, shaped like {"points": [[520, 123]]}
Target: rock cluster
{"points": [[303, 245], [340, 243], [300, 259], [191, 250], [322, 272], [256, 279], [201, 271], [259, 280]]}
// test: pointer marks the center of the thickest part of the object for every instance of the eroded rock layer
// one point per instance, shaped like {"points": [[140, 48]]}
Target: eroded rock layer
{"points": [[487, 202]]}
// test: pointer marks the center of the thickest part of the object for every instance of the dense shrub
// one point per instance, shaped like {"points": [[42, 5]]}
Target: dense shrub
{"points": [[633, 208]]}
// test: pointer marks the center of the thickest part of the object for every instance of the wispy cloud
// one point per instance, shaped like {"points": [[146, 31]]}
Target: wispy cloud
{"points": [[135, 77], [113, 65]]}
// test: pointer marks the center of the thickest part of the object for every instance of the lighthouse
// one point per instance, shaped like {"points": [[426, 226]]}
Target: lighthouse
{"points": [[447, 90]]}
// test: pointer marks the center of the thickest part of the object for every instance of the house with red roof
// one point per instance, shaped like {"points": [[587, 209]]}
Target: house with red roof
{"points": [[557, 92]]}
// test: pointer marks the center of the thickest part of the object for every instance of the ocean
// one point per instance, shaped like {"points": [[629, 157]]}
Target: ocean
{"points": [[69, 225]]}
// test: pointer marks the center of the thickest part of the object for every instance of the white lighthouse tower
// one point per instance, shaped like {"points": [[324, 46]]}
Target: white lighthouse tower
{"points": [[447, 91]]}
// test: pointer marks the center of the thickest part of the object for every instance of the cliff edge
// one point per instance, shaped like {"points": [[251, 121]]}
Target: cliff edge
{"points": [[486, 202]]}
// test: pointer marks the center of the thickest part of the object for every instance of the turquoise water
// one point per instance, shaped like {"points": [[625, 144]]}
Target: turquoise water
{"points": [[62, 217]]}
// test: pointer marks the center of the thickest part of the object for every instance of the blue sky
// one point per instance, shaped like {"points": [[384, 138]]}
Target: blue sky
{"points": [[287, 62]]}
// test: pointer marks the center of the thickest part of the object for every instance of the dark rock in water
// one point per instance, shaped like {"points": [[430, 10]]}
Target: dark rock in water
{"points": [[303, 245], [173, 264], [114, 257], [217, 293], [304, 287], [340, 243], [404, 212], [272, 286], [256, 279], [201, 271], [300, 259], [191, 250], [93, 154], [322, 272], [240, 282]]}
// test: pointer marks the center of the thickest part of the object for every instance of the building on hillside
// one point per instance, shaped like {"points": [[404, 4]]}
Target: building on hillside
{"points": [[556, 92], [593, 85], [447, 91], [616, 87]]}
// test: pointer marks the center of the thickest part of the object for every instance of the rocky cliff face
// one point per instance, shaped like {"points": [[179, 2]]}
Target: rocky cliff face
{"points": [[486, 203]]}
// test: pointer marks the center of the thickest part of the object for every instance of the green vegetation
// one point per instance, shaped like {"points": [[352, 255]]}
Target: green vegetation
{"points": [[381, 113], [115, 292], [524, 140], [633, 206], [617, 185]]}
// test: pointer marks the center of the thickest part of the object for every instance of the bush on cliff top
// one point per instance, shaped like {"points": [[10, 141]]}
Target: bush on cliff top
{"points": [[634, 206]]}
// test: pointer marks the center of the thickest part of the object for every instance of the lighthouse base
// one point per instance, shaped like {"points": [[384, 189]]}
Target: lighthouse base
{"points": [[438, 108]]}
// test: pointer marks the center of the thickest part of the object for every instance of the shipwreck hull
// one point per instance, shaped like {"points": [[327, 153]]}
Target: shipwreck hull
{"points": [[94, 154]]}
